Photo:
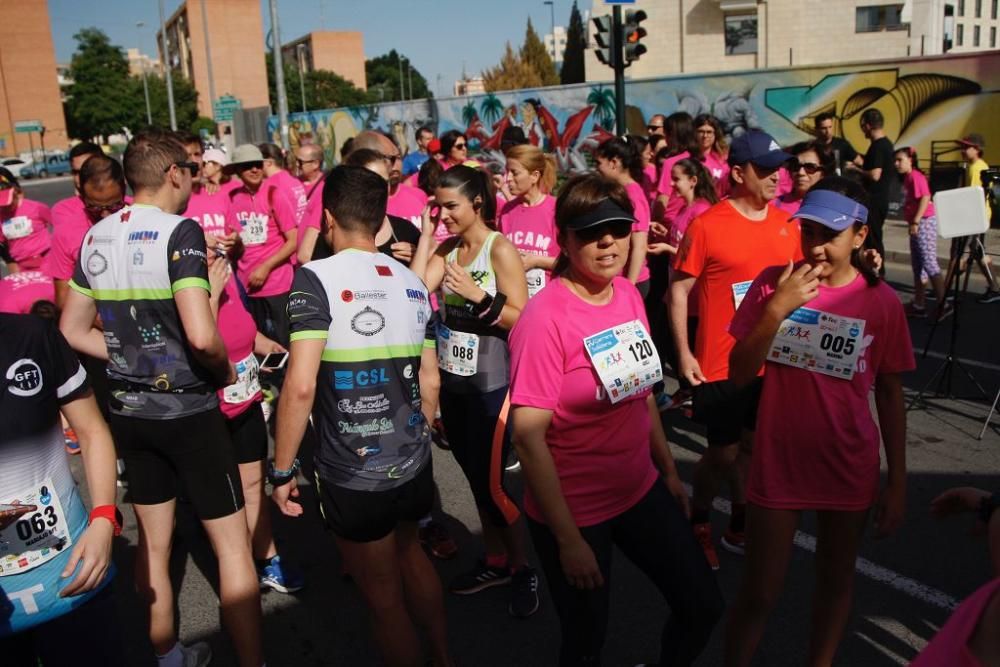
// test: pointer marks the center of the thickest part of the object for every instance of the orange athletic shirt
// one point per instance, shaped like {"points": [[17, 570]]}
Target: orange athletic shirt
{"points": [[723, 247]]}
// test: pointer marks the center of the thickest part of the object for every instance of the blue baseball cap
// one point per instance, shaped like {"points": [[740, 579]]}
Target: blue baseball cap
{"points": [[757, 147], [831, 209]]}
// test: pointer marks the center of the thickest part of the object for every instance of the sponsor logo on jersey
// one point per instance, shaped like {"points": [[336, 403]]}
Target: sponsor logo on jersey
{"points": [[348, 296], [368, 322], [96, 264], [381, 426], [416, 296], [374, 377], [408, 371], [368, 450], [366, 405], [25, 378], [143, 236], [383, 271], [138, 258]]}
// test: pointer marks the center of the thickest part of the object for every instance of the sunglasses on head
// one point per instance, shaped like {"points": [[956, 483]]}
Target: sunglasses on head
{"points": [[619, 229], [99, 211], [810, 168], [190, 166]]}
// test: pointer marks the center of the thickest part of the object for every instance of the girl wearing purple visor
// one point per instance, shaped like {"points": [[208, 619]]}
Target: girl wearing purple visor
{"points": [[829, 332]]}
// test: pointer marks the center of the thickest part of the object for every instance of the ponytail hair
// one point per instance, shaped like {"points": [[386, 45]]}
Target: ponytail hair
{"points": [[534, 159], [911, 153], [627, 151], [473, 183], [705, 186], [853, 190]]}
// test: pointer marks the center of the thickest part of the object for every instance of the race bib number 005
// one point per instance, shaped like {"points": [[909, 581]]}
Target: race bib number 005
{"points": [[819, 342], [625, 360], [33, 529]]}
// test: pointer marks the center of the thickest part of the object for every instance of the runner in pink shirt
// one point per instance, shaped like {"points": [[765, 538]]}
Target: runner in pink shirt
{"points": [[19, 291], [24, 226], [277, 176], [619, 159], [919, 213], [828, 331], [265, 222], [529, 219], [102, 183], [581, 368], [309, 163], [714, 151], [406, 202], [809, 166], [209, 201], [682, 143], [71, 208]]}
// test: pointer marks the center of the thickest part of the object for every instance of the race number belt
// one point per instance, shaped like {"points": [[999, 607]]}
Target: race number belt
{"points": [[536, 281], [819, 342], [33, 529], [625, 359], [458, 351]]}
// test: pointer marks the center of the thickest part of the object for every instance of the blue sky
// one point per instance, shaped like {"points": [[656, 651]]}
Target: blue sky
{"points": [[439, 35]]}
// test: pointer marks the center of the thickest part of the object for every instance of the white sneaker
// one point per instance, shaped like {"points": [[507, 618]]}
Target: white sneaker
{"points": [[198, 654]]}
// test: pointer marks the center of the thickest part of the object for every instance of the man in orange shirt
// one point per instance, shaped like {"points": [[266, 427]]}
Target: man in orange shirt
{"points": [[723, 250]]}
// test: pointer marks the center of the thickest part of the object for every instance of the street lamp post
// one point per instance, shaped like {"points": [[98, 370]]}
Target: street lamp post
{"points": [[164, 42], [300, 52], [552, 12], [409, 76], [402, 90], [279, 75], [145, 83]]}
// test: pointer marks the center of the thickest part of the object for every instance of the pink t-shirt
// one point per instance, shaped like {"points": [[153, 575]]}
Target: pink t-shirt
{"points": [[674, 201], [950, 646], [66, 239], [649, 182], [817, 444], [785, 182], [786, 203], [262, 220], [68, 210], [209, 211], [915, 186], [26, 234], [238, 331], [604, 469], [532, 230], [408, 203], [314, 209], [718, 167], [677, 230], [640, 206], [19, 291], [291, 188]]}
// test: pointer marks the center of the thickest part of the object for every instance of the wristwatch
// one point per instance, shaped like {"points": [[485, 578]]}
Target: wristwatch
{"points": [[987, 506], [279, 477], [109, 512]]}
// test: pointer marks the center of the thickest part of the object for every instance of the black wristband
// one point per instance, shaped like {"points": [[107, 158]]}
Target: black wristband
{"points": [[492, 316], [281, 477], [479, 308], [987, 506]]}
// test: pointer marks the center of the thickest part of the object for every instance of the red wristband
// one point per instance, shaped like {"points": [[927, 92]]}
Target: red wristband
{"points": [[109, 512]]}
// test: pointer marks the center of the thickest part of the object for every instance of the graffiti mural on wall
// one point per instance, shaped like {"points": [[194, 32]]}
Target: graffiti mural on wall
{"points": [[922, 99]]}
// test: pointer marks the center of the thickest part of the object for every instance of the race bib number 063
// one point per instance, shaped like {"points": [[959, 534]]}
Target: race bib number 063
{"points": [[33, 529]]}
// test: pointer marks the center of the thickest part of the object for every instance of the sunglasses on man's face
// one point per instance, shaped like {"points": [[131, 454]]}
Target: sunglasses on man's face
{"points": [[810, 168], [654, 128], [190, 166], [301, 162], [98, 211], [619, 229]]}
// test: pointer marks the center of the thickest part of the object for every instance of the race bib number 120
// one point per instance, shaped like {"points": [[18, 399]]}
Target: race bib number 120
{"points": [[625, 359], [819, 342]]}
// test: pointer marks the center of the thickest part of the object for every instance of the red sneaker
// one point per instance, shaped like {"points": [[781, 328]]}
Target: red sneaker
{"points": [[703, 533]]}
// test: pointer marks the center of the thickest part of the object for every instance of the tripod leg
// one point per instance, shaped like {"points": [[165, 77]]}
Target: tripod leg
{"points": [[980, 255], [989, 417]]}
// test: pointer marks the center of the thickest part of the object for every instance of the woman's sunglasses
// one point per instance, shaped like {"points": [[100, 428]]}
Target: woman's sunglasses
{"points": [[459, 147], [810, 168], [619, 229]]}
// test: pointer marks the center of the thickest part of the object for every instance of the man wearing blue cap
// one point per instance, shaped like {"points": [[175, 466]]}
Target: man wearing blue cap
{"points": [[722, 252]]}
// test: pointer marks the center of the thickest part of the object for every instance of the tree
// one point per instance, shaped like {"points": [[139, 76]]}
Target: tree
{"points": [[576, 43], [383, 73], [536, 56], [324, 89], [99, 101], [185, 103], [511, 74]]}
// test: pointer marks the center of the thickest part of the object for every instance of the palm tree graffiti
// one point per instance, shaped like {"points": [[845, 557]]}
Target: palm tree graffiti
{"points": [[603, 100], [469, 113], [491, 108]]}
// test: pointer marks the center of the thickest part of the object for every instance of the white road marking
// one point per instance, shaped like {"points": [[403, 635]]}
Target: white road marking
{"points": [[870, 570]]}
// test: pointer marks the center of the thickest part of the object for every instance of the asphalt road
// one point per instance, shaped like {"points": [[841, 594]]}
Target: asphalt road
{"points": [[905, 584]]}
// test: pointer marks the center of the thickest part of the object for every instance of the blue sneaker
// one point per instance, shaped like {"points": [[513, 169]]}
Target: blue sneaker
{"points": [[662, 401], [281, 577]]}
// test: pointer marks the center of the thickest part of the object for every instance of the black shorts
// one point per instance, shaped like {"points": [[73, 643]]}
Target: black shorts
{"points": [[270, 313], [367, 516], [725, 410], [193, 454], [248, 432]]}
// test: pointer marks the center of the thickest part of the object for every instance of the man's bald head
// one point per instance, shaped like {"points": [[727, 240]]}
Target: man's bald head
{"points": [[380, 143]]}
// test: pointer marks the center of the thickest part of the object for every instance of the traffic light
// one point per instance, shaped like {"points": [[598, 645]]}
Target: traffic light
{"points": [[632, 34], [604, 51]]}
